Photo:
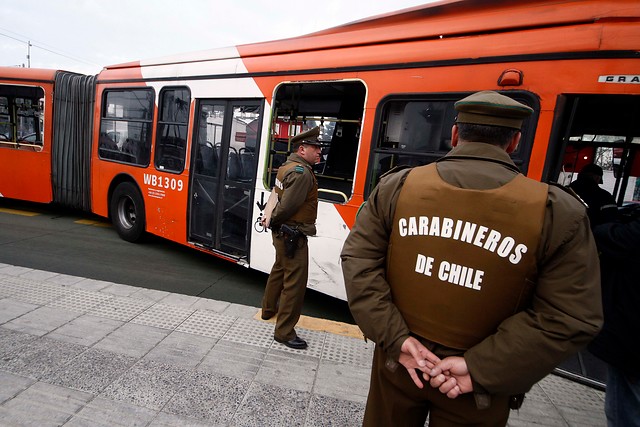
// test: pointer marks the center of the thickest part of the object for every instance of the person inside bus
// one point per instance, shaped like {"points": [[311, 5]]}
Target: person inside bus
{"points": [[618, 344], [477, 280], [601, 206], [292, 220]]}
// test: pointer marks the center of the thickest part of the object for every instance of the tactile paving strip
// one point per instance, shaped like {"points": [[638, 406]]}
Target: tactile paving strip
{"points": [[41, 294], [207, 323], [12, 285], [348, 350], [80, 301], [568, 393], [252, 332], [9, 287], [315, 343], [121, 308], [163, 316]]}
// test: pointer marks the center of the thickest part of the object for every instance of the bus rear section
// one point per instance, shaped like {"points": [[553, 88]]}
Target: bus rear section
{"points": [[45, 136]]}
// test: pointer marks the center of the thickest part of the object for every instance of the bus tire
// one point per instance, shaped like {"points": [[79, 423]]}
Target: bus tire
{"points": [[127, 212]]}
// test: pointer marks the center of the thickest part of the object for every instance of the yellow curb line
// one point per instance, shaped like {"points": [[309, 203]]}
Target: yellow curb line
{"points": [[93, 222], [17, 212], [324, 325]]}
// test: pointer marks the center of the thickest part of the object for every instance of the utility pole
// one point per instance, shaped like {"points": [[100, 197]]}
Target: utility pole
{"points": [[29, 53]]}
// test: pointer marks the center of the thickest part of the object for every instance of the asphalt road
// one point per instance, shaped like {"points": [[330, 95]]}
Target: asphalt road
{"points": [[80, 244]]}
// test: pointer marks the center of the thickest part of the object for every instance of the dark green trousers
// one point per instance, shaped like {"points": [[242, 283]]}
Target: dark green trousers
{"points": [[287, 283], [394, 400]]}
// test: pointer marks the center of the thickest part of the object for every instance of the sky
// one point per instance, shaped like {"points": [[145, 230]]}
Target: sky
{"points": [[85, 35]]}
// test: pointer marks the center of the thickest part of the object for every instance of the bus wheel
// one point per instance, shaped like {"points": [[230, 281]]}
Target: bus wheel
{"points": [[127, 212]]}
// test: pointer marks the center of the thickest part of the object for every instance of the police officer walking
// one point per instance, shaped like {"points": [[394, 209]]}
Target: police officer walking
{"points": [[292, 220], [474, 278]]}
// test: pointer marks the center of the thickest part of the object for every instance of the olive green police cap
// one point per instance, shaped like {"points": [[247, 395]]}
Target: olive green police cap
{"points": [[492, 109], [308, 137]]}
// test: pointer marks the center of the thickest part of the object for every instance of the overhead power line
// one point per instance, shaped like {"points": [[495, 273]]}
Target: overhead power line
{"points": [[29, 43]]}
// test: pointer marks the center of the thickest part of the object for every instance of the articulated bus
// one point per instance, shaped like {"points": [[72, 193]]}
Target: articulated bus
{"points": [[186, 147]]}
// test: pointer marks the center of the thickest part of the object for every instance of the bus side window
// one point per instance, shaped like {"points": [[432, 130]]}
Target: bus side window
{"points": [[126, 120], [171, 139], [21, 118], [337, 107], [415, 130]]}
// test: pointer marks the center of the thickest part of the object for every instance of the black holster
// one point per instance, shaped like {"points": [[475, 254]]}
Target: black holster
{"points": [[291, 238]]}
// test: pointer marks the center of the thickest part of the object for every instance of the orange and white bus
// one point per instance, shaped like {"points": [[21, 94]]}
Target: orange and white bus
{"points": [[186, 147]]}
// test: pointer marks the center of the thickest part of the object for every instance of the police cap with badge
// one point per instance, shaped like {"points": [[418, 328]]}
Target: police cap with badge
{"points": [[490, 108], [308, 137]]}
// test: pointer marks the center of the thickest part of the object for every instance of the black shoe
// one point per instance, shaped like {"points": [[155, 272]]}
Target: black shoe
{"points": [[266, 315], [297, 343]]}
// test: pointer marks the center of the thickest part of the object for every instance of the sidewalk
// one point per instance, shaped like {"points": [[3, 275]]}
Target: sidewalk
{"points": [[83, 352]]}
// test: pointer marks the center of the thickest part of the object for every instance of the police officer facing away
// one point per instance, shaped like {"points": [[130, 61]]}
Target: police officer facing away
{"points": [[601, 206], [476, 279], [292, 220]]}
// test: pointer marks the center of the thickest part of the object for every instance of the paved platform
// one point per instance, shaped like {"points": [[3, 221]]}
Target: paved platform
{"points": [[82, 352]]}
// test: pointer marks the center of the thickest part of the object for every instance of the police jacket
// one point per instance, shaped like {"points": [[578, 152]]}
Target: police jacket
{"points": [[617, 343], [297, 190], [601, 206], [565, 310]]}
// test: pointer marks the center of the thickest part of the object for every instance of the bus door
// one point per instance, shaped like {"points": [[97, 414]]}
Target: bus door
{"points": [[602, 130], [223, 175]]}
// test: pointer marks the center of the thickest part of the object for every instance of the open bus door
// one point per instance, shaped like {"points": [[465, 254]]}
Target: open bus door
{"points": [[600, 129], [223, 175]]}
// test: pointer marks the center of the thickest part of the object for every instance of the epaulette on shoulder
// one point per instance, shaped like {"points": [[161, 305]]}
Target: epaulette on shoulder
{"points": [[299, 169], [567, 190], [395, 169]]}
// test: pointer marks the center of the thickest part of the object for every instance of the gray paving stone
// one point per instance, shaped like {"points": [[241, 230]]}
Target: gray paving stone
{"points": [[220, 369], [348, 350], [211, 305], [268, 405], [78, 300], [12, 385], [40, 358], [41, 321], [341, 381], [91, 285], [536, 412], [329, 412], [85, 330], [163, 316], [207, 323], [239, 310], [39, 293], [12, 340], [132, 339], [92, 371], [120, 290], [149, 294], [583, 417], [43, 405], [234, 359], [208, 396], [39, 275], [14, 270], [569, 393], [64, 279], [170, 420], [182, 349], [120, 308], [147, 383], [178, 300], [108, 413], [11, 308], [252, 332], [288, 370]]}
